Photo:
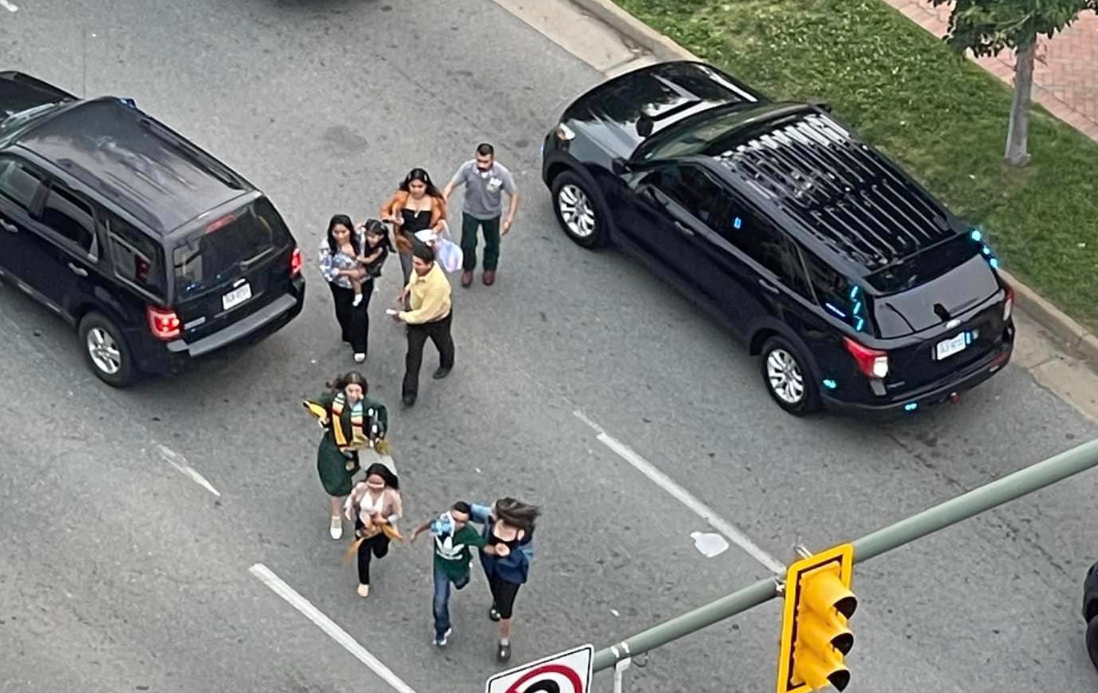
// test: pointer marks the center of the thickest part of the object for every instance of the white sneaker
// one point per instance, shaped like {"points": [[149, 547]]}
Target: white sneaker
{"points": [[441, 642], [336, 529], [359, 358]]}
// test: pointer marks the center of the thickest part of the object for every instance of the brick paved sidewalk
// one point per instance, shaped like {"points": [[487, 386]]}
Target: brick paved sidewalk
{"points": [[1065, 78]]}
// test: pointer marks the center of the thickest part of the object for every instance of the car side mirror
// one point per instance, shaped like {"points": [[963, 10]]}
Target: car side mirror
{"points": [[619, 165]]}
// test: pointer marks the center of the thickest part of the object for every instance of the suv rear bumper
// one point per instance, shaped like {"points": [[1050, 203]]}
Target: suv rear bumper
{"points": [[178, 356], [935, 393]]}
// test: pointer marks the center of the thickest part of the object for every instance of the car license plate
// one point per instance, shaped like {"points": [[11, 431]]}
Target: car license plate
{"points": [[951, 346], [236, 296]]}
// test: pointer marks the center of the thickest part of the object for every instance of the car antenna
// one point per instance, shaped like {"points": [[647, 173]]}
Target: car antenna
{"points": [[84, 60]]}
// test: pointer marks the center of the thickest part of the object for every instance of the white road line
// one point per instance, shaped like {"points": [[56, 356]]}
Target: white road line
{"points": [[328, 626], [8, 6], [699, 508], [179, 462]]}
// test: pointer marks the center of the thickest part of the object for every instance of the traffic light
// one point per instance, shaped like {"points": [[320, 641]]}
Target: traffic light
{"points": [[815, 631]]}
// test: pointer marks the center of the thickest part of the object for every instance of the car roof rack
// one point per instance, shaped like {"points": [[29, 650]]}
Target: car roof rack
{"points": [[844, 193]]}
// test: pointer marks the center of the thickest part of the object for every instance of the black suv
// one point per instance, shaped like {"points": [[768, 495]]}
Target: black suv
{"points": [[157, 252], [855, 285]]}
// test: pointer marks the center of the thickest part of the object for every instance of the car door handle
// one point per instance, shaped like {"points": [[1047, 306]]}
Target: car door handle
{"points": [[654, 196], [78, 271], [683, 228], [8, 226], [768, 286]]}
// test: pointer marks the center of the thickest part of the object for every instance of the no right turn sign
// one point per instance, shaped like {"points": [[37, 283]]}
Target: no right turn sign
{"points": [[566, 672]]}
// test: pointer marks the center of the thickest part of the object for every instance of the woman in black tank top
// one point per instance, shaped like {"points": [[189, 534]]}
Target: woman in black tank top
{"points": [[417, 205]]}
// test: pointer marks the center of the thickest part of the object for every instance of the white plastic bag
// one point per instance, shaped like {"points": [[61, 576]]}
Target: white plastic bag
{"points": [[449, 254]]}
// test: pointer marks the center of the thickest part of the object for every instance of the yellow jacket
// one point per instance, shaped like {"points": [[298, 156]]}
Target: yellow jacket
{"points": [[430, 297]]}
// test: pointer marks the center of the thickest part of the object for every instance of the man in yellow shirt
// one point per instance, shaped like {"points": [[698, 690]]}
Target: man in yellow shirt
{"points": [[429, 318]]}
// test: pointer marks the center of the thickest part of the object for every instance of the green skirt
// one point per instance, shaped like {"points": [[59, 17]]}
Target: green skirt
{"points": [[331, 464]]}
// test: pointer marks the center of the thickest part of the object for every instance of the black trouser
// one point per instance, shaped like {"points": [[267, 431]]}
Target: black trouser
{"points": [[503, 595], [439, 334], [378, 545], [354, 322]]}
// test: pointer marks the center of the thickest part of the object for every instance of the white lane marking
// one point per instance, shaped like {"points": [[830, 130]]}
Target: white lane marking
{"points": [[180, 463], [267, 577], [700, 509], [8, 6]]}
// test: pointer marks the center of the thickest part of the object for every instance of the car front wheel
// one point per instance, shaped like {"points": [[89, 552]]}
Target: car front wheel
{"points": [[105, 350], [579, 211], [787, 377]]}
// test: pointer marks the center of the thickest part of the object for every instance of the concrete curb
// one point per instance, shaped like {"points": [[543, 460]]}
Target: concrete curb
{"points": [[1055, 321], [1048, 316], [634, 30]]}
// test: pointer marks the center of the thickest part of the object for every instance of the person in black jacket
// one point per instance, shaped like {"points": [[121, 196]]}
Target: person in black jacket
{"points": [[509, 531]]}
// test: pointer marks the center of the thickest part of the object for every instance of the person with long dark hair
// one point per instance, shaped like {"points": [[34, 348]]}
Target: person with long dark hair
{"points": [[416, 206], [375, 506], [506, 558], [351, 421], [339, 257]]}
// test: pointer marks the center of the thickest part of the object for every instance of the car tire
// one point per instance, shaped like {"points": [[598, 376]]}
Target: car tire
{"points": [[105, 350], [1092, 641], [579, 211], [788, 378]]}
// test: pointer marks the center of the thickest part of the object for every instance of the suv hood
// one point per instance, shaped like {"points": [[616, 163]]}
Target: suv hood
{"points": [[923, 307], [662, 94], [19, 91]]}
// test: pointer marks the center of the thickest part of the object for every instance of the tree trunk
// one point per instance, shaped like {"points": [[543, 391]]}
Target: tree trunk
{"points": [[1017, 147]]}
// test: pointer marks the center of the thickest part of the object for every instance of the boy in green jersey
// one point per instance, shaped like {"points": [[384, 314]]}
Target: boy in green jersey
{"points": [[455, 541]]}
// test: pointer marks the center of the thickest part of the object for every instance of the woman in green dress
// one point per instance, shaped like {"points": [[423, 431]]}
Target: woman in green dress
{"points": [[351, 421]]}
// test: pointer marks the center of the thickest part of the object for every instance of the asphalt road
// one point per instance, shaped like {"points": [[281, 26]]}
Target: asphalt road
{"points": [[118, 572]]}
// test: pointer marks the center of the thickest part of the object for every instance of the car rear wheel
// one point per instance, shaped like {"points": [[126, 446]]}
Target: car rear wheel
{"points": [[1092, 641], [106, 350], [787, 377], [579, 211]]}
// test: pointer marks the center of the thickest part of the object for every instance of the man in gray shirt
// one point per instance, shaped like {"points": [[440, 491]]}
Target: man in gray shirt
{"points": [[485, 181]]}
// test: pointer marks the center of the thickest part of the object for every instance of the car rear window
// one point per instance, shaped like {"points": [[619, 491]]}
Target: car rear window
{"points": [[926, 266], [136, 257], [224, 249]]}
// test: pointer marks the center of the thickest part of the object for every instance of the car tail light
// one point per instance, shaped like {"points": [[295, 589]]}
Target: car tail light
{"points": [[872, 362], [1008, 304], [164, 324], [296, 262]]}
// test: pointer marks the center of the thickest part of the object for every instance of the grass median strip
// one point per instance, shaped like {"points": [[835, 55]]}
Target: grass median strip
{"points": [[942, 118]]}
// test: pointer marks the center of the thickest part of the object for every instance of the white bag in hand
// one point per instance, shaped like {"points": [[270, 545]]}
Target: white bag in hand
{"points": [[449, 254]]}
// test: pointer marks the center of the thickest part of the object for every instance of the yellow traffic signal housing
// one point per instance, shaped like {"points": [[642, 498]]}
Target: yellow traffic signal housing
{"points": [[815, 631]]}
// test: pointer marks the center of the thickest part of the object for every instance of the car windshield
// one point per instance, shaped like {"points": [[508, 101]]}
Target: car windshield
{"points": [[928, 264], [695, 135], [228, 247], [15, 121]]}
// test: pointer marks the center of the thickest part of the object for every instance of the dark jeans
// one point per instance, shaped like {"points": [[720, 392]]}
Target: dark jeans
{"points": [[442, 600], [354, 322], [439, 334], [377, 545], [469, 226]]}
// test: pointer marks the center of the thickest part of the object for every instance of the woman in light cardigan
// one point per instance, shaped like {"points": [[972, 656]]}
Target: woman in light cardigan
{"points": [[375, 506]]}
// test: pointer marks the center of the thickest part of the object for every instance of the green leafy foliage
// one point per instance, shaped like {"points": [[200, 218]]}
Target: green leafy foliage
{"points": [[942, 118], [988, 26]]}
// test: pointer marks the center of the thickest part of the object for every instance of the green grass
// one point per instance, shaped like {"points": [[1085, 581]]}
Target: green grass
{"points": [[943, 118]]}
